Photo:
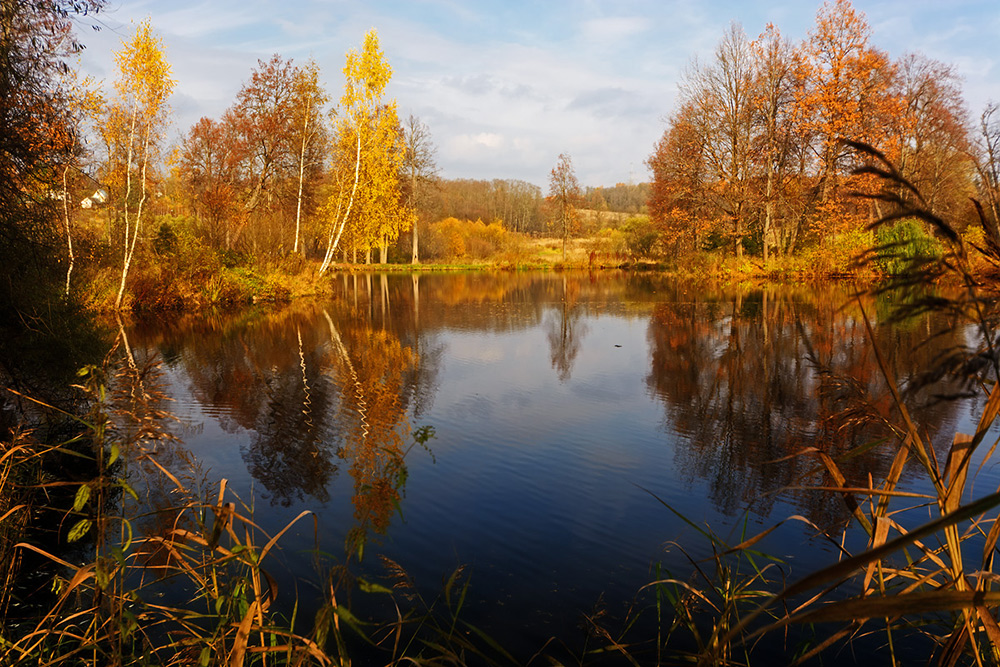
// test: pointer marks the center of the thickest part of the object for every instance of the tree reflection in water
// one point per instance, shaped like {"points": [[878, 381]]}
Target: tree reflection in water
{"points": [[754, 378], [371, 365], [744, 378], [316, 390], [566, 329]]}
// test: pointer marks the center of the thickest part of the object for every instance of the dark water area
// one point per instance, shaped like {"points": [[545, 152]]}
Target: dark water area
{"points": [[568, 411]]}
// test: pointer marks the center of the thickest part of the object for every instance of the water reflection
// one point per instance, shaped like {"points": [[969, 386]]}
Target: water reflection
{"points": [[752, 378], [566, 329], [742, 378], [315, 392]]}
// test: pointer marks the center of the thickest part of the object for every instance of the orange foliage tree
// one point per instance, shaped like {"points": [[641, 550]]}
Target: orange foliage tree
{"points": [[848, 95], [36, 137], [755, 151], [207, 164], [676, 202]]}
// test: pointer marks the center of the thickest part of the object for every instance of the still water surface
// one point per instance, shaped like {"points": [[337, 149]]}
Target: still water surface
{"points": [[565, 408]]}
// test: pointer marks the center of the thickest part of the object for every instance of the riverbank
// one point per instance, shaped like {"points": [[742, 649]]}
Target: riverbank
{"points": [[179, 284]]}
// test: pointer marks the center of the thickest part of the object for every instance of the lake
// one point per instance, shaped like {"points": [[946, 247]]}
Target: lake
{"points": [[569, 410]]}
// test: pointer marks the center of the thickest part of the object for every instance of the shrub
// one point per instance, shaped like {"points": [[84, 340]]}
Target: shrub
{"points": [[838, 253], [640, 236], [902, 244], [452, 238], [165, 241]]}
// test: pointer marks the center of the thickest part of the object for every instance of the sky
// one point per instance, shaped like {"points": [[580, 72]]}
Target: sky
{"points": [[506, 86]]}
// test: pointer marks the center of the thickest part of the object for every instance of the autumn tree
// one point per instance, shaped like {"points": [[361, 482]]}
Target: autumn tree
{"points": [[133, 127], [36, 136], [84, 105], [208, 165], [563, 198], [930, 140], [307, 105], [719, 94], [368, 155], [262, 126], [677, 201], [517, 203], [987, 154], [419, 167], [774, 84], [848, 95]]}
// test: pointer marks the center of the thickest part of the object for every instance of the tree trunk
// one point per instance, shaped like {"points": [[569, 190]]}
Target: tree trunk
{"points": [[302, 169], [332, 241], [129, 247], [69, 234], [565, 235]]}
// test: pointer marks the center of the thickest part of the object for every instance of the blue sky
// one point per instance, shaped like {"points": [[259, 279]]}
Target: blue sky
{"points": [[506, 86]]}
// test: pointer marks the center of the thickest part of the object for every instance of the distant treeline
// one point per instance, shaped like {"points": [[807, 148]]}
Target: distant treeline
{"points": [[518, 204]]}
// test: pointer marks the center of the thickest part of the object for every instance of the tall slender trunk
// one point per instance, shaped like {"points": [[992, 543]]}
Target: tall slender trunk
{"points": [[415, 259], [769, 188], [332, 245], [128, 249], [565, 232], [302, 169], [416, 255], [69, 233]]}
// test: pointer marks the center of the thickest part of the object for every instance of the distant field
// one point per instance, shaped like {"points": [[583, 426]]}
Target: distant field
{"points": [[549, 250]]}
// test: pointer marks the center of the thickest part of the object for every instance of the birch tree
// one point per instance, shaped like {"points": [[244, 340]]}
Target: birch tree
{"points": [[368, 147], [134, 126], [309, 98]]}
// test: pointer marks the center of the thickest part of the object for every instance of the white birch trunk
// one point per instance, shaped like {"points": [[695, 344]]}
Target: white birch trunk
{"points": [[331, 248], [69, 233], [126, 259], [302, 168]]}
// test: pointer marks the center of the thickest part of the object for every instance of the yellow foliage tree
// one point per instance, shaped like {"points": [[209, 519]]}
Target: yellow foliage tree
{"points": [[309, 98], [368, 155], [132, 127]]}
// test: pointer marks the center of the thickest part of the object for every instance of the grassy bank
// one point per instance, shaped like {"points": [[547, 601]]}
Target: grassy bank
{"points": [[201, 277], [178, 269]]}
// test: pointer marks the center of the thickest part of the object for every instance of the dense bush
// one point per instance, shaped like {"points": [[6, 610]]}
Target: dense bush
{"points": [[838, 253], [903, 243], [452, 238]]}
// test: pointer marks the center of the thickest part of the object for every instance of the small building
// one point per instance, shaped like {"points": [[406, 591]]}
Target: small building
{"points": [[100, 196]]}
